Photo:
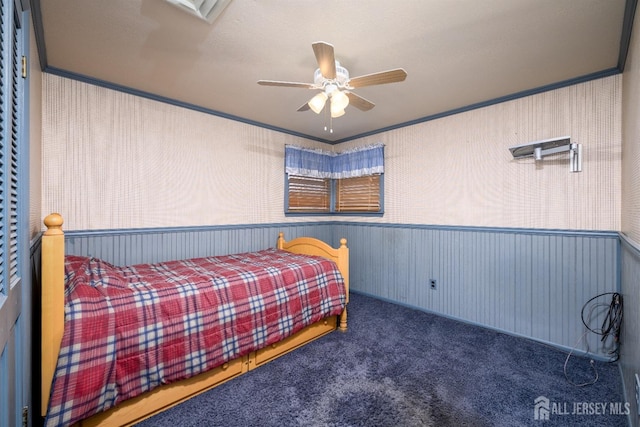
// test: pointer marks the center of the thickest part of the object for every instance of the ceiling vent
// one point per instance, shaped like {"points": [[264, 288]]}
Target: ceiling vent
{"points": [[207, 10]]}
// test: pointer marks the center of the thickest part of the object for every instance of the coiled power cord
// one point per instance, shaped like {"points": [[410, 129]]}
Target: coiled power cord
{"points": [[609, 331]]}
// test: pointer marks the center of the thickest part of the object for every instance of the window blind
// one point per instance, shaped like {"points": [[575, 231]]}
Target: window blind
{"points": [[361, 194], [307, 194]]}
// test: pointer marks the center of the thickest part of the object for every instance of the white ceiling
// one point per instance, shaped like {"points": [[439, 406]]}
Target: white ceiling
{"points": [[457, 53]]}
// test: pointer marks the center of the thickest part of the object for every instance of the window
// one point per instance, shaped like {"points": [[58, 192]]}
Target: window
{"points": [[321, 182]]}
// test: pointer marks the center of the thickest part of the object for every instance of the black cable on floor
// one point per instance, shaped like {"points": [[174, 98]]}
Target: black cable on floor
{"points": [[611, 327], [611, 324]]}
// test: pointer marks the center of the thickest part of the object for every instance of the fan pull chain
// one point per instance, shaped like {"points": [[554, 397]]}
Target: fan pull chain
{"points": [[330, 118]]}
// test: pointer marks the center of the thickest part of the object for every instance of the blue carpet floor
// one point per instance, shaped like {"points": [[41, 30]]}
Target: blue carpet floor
{"points": [[401, 367]]}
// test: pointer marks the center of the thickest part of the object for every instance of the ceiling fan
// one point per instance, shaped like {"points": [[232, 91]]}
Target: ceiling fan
{"points": [[335, 84]]}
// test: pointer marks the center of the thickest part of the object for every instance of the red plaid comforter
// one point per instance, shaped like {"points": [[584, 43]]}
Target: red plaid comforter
{"points": [[130, 329]]}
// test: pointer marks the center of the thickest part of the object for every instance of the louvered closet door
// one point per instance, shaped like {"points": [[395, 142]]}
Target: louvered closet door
{"points": [[13, 336]]}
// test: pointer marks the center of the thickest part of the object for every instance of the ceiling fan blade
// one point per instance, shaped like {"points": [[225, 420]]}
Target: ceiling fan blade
{"points": [[391, 76], [304, 107], [286, 84], [326, 59], [359, 102]]}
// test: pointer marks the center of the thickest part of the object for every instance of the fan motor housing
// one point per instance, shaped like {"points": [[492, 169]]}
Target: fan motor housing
{"points": [[342, 76]]}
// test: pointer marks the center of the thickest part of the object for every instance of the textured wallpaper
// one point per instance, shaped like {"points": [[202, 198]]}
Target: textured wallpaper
{"points": [[458, 170], [113, 160], [631, 140]]}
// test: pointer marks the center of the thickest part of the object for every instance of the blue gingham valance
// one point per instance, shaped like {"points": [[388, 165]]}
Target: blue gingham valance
{"points": [[361, 161]]}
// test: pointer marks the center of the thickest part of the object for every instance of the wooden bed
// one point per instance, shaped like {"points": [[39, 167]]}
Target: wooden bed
{"points": [[165, 396]]}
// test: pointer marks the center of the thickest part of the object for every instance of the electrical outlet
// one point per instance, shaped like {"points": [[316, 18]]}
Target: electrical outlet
{"points": [[432, 283], [638, 394]]}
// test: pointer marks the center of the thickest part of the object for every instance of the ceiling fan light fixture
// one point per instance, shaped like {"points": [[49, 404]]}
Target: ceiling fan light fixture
{"points": [[339, 101], [334, 82], [317, 102], [336, 113]]}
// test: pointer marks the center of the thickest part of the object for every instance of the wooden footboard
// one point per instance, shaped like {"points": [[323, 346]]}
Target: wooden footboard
{"points": [[311, 246], [163, 397]]}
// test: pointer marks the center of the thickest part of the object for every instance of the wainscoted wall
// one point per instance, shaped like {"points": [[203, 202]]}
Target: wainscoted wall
{"points": [[125, 247], [630, 272], [630, 340], [529, 283], [630, 218]]}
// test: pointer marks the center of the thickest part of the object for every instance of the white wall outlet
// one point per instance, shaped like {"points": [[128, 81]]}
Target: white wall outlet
{"points": [[638, 394]]}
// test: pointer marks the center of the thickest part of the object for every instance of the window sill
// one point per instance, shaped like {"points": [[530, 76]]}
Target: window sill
{"points": [[365, 214]]}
